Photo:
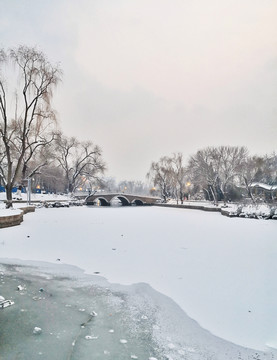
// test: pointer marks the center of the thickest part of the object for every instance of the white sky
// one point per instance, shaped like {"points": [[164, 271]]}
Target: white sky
{"points": [[146, 78]]}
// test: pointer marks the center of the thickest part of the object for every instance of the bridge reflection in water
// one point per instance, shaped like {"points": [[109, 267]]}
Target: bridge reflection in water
{"points": [[125, 199]]}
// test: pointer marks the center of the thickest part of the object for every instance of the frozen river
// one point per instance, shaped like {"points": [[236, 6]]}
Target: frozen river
{"points": [[220, 271]]}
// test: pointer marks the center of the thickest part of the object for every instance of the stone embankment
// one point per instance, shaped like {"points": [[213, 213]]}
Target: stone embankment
{"points": [[262, 211], [13, 218], [192, 207]]}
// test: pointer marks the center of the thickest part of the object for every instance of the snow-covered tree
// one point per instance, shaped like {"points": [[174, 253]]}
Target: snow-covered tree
{"points": [[259, 170], [204, 171], [229, 161], [216, 168], [250, 173]]}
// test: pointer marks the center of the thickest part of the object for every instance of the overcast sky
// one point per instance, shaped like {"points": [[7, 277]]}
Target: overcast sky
{"points": [[146, 78]]}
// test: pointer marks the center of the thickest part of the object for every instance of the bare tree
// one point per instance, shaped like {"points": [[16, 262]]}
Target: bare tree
{"points": [[23, 126], [229, 161], [109, 184], [218, 171], [179, 174], [250, 170], [204, 171], [216, 168], [39, 153], [51, 179], [80, 161], [259, 169], [162, 176], [133, 187], [270, 169]]}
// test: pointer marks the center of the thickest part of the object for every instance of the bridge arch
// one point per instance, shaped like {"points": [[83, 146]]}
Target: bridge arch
{"points": [[106, 201], [103, 201], [123, 199], [138, 202]]}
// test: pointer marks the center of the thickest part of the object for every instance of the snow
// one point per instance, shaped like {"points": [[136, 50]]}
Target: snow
{"points": [[9, 212], [204, 204], [220, 271], [34, 197], [257, 211], [264, 186]]}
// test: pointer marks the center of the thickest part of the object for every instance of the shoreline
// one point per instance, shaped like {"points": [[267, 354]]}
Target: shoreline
{"points": [[230, 210]]}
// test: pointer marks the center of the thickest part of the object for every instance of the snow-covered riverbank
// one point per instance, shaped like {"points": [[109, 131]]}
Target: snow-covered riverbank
{"points": [[219, 270], [252, 211]]}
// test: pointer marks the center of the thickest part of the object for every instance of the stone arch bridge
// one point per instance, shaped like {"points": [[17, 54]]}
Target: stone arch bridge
{"points": [[126, 199]]}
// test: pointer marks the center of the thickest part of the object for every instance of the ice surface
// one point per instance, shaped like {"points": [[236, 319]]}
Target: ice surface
{"points": [[220, 271], [132, 322], [60, 323]]}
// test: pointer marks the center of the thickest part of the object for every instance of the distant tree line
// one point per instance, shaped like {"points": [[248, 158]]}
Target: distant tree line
{"points": [[31, 145], [136, 187], [214, 173]]}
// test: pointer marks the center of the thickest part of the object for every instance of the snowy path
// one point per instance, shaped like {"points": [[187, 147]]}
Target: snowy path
{"points": [[221, 271]]}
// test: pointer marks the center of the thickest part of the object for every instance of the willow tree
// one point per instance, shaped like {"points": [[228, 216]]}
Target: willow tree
{"points": [[161, 173], [180, 175], [27, 80]]}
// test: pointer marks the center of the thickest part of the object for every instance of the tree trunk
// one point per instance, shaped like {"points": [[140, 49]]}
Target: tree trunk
{"points": [[224, 192], [208, 194], [249, 191], [181, 197], [24, 172], [9, 196], [163, 196], [70, 188], [214, 195]]}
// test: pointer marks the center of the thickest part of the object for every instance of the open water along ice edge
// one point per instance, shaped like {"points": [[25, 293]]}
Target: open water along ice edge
{"points": [[60, 313]]}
